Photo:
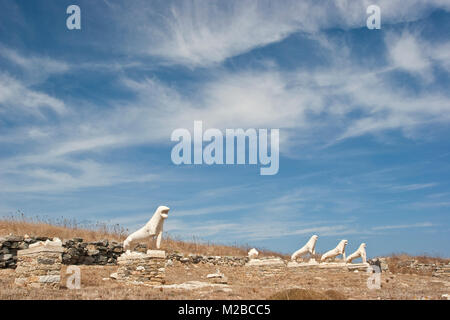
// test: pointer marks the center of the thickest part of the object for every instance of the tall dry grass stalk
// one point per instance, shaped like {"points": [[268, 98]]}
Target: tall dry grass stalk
{"points": [[62, 227]]}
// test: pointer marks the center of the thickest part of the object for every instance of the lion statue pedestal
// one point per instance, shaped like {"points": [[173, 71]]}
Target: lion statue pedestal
{"points": [[142, 268]]}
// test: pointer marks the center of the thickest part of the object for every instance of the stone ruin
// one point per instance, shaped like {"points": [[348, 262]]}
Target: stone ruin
{"points": [[231, 261], [141, 268], [441, 271], [266, 267], [39, 266], [75, 251], [102, 252], [39, 263]]}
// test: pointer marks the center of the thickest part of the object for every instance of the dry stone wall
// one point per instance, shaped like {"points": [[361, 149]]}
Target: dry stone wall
{"points": [[76, 251], [103, 252], [214, 260]]}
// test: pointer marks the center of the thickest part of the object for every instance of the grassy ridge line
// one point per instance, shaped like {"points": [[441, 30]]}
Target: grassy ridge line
{"points": [[64, 228]]}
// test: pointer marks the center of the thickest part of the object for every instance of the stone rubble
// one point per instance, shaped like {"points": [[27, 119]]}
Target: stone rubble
{"points": [[217, 277], [213, 260], [194, 285]]}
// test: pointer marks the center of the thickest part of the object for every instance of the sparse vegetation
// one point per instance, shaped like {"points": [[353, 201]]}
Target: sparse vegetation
{"points": [[61, 227], [288, 284], [407, 264], [303, 294]]}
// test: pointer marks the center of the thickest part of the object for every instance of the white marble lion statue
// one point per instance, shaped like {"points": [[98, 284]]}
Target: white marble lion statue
{"points": [[361, 252], [309, 247], [153, 228], [340, 249]]}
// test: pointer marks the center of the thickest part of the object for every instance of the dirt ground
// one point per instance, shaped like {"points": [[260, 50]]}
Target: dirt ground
{"points": [[242, 283]]}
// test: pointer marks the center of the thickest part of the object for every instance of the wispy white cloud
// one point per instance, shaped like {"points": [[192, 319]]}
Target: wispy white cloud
{"points": [[58, 175], [213, 210], [15, 97], [307, 104], [255, 231], [412, 187], [405, 226], [201, 33], [407, 53], [36, 68]]}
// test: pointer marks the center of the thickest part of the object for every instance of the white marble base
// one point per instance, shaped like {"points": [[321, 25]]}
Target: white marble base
{"points": [[265, 262], [330, 265], [357, 266], [295, 264]]}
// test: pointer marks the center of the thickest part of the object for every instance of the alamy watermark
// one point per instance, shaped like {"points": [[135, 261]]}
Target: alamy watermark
{"points": [[73, 22], [235, 151], [74, 280], [374, 20], [374, 280]]}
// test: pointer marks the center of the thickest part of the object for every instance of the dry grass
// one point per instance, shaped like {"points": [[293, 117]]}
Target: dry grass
{"points": [[303, 294], [242, 284], [401, 262], [424, 259], [63, 228]]}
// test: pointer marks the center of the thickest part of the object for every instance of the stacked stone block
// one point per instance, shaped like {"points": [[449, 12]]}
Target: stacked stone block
{"points": [[442, 271], [142, 268], [39, 267]]}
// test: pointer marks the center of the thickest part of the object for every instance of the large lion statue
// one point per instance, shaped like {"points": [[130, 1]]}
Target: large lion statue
{"points": [[340, 249], [309, 247], [153, 228], [361, 252]]}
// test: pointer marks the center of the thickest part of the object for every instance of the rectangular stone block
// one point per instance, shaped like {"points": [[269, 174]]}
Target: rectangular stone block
{"points": [[39, 267]]}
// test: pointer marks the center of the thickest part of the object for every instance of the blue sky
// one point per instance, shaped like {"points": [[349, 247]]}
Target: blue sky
{"points": [[86, 117]]}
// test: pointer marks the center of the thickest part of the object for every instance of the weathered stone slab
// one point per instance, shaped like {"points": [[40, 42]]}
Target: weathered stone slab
{"points": [[332, 265], [58, 249], [309, 264], [217, 277], [274, 262], [358, 266], [194, 285], [156, 254]]}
